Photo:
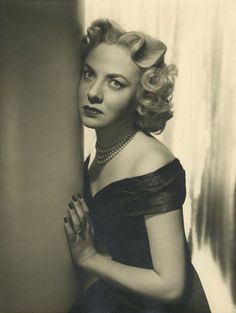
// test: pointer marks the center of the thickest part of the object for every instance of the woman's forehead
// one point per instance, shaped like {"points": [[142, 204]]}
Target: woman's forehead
{"points": [[112, 59]]}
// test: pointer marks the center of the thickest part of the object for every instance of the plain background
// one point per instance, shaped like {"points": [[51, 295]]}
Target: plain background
{"points": [[41, 160]]}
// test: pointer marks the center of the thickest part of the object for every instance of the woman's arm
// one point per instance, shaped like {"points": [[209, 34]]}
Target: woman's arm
{"points": [[166, 280]]}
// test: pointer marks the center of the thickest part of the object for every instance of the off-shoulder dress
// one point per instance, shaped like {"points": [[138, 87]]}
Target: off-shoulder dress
{"points": [[117, 213]]}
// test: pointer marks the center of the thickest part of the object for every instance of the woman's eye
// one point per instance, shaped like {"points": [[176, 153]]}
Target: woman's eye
{"points": [[87, 74], [115, 84]]}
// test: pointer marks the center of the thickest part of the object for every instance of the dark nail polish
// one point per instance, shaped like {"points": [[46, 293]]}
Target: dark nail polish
{"points": [[79, 195], [74, 198], [65, 220], [71, 206]]}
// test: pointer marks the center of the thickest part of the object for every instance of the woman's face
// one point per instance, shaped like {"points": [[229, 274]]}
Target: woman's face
{"points": [[108, 87]]}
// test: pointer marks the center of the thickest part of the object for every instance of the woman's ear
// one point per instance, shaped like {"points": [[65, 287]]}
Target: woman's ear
{"points": [[140, 109]]}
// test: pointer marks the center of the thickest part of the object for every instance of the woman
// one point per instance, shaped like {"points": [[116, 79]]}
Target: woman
{"points": [[134, 188]]}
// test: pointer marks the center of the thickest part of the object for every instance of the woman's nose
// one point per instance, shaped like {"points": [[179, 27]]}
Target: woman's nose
{"points": [[95, 99], [95, 94]]}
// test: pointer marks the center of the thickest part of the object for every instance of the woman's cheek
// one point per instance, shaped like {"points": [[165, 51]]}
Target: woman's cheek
{"points": [[82, 94]]}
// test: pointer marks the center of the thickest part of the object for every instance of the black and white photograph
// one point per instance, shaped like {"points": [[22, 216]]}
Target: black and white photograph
{"points": [[117, 156]]}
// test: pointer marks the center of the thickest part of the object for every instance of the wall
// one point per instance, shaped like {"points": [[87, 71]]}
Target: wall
{"points": [[40, 155]]}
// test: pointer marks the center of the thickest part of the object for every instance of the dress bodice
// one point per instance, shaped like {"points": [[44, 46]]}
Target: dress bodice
{"points": [[117, 212]]}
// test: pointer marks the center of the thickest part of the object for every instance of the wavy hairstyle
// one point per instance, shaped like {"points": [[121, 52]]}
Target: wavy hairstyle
{"points": [[158, 79]]}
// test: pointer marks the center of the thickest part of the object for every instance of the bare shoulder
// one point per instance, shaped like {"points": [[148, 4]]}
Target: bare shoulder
{"points": [[150, 154]]}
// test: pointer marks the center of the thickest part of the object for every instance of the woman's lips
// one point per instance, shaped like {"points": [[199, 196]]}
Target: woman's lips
{"points": [[91, 111]]}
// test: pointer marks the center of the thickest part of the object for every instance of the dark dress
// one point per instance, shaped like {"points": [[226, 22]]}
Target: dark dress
{"points": [[117, 212]]}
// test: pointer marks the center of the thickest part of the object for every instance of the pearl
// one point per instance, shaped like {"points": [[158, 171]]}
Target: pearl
{"points": [[105, 155]]}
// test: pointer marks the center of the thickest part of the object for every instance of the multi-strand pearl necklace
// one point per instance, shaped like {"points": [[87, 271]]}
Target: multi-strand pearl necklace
{"points": [[105, 155]]}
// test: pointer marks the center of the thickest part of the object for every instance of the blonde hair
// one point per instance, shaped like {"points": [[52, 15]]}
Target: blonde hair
{"points": [[158, 79]]}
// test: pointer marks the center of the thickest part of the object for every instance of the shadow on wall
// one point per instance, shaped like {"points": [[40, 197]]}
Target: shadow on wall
{"points": [[215, 219], [41, 153]]}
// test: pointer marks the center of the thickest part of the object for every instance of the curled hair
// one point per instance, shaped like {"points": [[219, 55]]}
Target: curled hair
{"points": [[158, 79]]}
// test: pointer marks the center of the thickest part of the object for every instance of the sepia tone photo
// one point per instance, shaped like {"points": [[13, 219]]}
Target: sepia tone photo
{"points": [[117, 156]]}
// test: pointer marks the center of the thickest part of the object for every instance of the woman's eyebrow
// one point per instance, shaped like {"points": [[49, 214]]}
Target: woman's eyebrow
{"points": [[89, 67], [114, 75], [111, 75]]}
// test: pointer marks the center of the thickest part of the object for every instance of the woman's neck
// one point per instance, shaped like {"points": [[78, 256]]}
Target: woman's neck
{"points": [[108, 137]]}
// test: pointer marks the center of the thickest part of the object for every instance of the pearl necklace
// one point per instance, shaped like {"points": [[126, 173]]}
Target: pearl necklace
{"points": [[105, 155]]}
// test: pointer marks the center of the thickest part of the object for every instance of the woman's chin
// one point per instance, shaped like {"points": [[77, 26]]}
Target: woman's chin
{"points": [[90, 123]]}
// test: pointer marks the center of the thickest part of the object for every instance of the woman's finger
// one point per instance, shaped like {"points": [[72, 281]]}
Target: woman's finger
{"points": [[83, 203], [79, 209], [89, 227], [76, 223], [69, 231]]}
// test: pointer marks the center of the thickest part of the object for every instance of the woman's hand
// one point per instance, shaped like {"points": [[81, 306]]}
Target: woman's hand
{"points": [[79, 232]]}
